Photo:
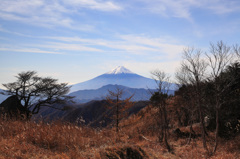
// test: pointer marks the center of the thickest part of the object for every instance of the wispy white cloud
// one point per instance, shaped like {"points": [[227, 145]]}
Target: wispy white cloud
{"points": [[52, 13], [155, 48], [39, 12], [14, 33], [222, 6], [67, 47], [94, 4], [161, 45], [166, 8], [28, 50], [184, 8], [128, 44], [170, 8], [166, 48]]}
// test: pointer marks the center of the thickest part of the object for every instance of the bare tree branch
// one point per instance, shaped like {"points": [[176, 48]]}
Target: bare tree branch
{"points": [[34, 91]]}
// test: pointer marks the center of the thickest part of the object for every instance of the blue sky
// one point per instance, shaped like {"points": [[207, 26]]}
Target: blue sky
{"points": [[76, 40]]}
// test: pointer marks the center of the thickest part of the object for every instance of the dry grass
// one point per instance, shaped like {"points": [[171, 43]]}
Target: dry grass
{"points": [[39, 140], [63, 140]]}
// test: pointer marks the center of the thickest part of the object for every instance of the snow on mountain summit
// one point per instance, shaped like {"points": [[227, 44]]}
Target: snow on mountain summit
{"points": [[119, 70]]}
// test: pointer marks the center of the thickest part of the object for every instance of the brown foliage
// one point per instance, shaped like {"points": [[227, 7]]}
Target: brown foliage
{"points": [[137, 135]]}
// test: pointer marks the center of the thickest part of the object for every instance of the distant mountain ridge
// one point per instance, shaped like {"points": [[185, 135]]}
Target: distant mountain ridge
{"points": [[140, 94], [93, 113], [120, 76], [2, 97]]}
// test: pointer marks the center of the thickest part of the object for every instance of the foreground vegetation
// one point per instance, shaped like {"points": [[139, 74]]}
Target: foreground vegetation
{"points": [[137, 133]]}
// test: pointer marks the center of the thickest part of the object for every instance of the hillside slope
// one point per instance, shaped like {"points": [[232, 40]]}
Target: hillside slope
{"points": [[93, 113], [139, 94]]}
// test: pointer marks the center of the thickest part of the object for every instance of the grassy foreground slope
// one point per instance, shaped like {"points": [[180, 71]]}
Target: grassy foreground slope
{"points": [[137, 138]]}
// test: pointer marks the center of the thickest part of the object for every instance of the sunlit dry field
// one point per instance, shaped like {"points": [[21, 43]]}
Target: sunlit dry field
{"points": [[63, 140]]}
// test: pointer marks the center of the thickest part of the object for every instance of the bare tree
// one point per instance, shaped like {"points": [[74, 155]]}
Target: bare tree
{"points": [[219, 58], [35, 92], [192, 72], [159, 100], [118, 106], [236, 49]]}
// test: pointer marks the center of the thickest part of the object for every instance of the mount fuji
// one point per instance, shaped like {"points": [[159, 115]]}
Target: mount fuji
{"points": [[118, 76]]}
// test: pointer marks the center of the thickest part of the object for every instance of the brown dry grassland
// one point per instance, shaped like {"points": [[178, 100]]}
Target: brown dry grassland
{"points": [[22, 140]]}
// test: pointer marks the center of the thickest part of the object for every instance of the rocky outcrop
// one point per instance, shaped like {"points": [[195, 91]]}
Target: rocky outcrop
{"points": [[124, 152], [12, 108]]}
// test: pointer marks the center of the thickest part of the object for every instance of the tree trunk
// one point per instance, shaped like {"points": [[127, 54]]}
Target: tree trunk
{"points": [[201, 116], [179, 118], [191, 132], [217, 130], [166, 141], [203, 132], [117, 113], [165, 127]]}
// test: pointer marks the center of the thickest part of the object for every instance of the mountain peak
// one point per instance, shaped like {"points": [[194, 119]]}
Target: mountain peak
{"points": [[119, 70]]}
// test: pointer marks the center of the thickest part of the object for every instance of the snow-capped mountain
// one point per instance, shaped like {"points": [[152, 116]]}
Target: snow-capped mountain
{"points": [[120, 76], [119, 70]]}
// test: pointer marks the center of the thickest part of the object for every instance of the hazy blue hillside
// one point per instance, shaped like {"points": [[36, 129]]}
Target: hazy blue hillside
{"points": [[49, 114], [101, 93], [2, 97]]}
